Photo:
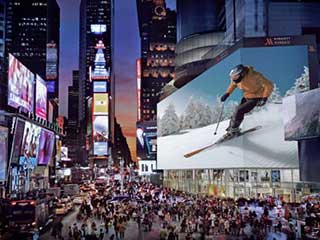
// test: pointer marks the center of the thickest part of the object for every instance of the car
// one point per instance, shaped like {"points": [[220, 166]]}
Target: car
{"points": [[78, 200], [61, 209]]}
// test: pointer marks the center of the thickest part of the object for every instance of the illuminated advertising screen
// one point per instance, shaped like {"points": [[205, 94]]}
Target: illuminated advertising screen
{"points": [[17, 140], [52, 61], [3, 153], [100, 135], [46, 144], [64, 153], [302, 118], [29, 147], [187, 119], [147, 140], [98, 28], [100, 87], [41, 98], [51, 86], [20, 85], [101, 104], [146, 167]]}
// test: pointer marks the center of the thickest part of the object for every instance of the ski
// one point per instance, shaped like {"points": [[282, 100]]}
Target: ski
{"points": [[221, 140]]}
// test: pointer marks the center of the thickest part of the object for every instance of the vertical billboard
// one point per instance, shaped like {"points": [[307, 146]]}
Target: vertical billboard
{"points": [[147, 140], [17, 140], [20, 85], [52, 62], [100, 104], [3, 153], [46, 144], [139, 88], [100, 135], [188, 118], [100, 87], [29, 147], [41, 98]]}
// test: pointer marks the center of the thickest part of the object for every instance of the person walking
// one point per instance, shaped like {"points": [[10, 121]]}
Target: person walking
{"points": [[256, 91]]}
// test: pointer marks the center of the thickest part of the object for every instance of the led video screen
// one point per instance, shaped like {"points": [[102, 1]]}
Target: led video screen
{"points": [[41, 98], [17, 140], [100, 87], [302, 115], [20, 85], [146, 135], [100, 135], [100, 105], [98, 28], [30, 144], [3, 153], [188, 118], [45, 149]]}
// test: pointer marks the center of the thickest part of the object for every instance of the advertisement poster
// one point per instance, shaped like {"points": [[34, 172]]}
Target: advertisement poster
{"points": [[29, 147], [100, 87], [46, 145], [147, 140], [20, 85], [187, 119], [302, 118], [17, 140], [52, 61], [100, 105], [3, 153], [64, 153], [100, 135], [41, 98], [275, 176]]}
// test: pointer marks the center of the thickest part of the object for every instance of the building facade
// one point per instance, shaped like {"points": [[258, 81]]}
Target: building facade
{"points": [[95, 31], [2, 54], [30, 27], [72, 140], [157, 26], [120, 148]]}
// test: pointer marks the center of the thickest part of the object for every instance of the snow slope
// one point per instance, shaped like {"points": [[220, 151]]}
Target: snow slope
{"points": [[264, 148]]}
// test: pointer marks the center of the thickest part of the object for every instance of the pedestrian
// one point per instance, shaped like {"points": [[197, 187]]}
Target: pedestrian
{"points": [[70, 233], [101, 234], [121, 229], [163, 233]]}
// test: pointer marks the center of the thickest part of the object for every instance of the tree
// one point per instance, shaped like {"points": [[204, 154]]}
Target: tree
{"points": [[275, 96], [301, 84], [169, 123], [190, 114]]}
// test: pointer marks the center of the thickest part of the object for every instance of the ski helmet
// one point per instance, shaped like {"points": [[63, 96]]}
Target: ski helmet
{"points": [[237, 71]]}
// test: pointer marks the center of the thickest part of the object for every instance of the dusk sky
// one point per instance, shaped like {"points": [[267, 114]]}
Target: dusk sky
{"points": [[127, 50]]}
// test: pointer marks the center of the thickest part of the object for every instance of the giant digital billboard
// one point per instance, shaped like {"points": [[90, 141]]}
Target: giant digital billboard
{"points": [[45, 148], [100, 135], [100, 104], [100, 87], [29, 147], [146, 135], [20, 85], [302, 115], [52, 61], [41, 98], [188, 118], [17, 140], [3, 153]]}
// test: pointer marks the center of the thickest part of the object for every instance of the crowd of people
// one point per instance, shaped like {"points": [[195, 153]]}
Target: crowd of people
{"points": [[179, 215]]}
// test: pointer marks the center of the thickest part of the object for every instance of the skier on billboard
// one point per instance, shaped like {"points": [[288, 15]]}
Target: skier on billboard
{"points": [[256, 91]]}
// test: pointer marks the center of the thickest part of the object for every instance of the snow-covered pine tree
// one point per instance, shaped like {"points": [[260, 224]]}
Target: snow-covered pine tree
{"points": [[301, 84], [181, 120], [190, 114], [169, 123], [275, 96], [216, 110]]}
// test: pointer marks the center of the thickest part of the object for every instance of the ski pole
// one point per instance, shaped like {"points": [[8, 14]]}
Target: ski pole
{"points": [[220, 117]]}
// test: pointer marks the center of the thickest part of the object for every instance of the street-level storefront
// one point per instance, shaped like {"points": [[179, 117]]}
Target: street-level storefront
{"points": [[235, 183]]}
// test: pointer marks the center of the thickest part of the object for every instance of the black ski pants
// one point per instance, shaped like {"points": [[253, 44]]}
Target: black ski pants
{"points": [[245, 106]]}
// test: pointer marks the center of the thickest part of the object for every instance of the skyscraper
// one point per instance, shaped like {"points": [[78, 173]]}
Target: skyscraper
{"points": [[157, 26], [31, 28], [72, 140], [94, 61]]}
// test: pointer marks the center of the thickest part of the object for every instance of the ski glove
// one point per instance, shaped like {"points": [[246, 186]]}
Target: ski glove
{"points": [[262, 102], [224, 97]]}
